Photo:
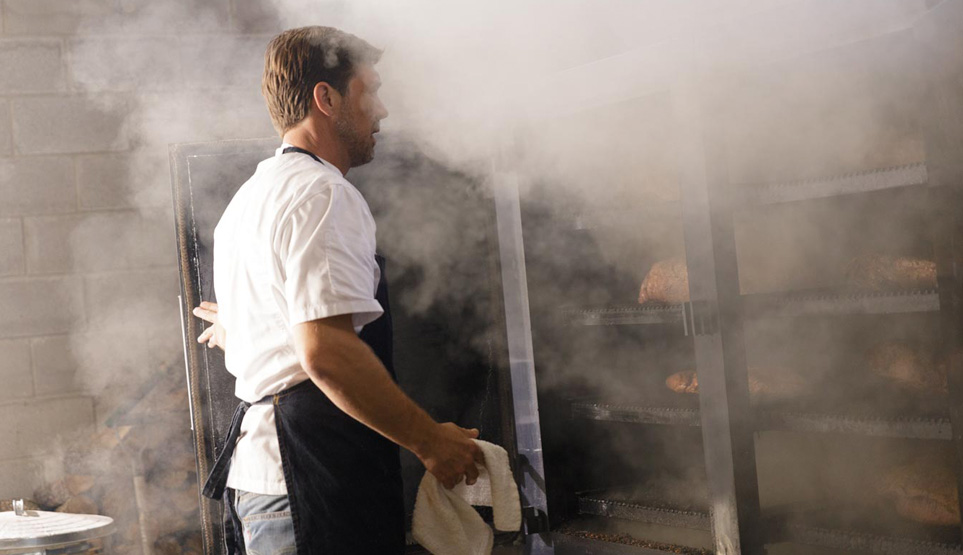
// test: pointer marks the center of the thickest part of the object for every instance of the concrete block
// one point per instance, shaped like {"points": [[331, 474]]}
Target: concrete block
{"points": [[71, 124], [54, 17], [40, 306], [166, 345], [31, 66], [257, 16], [111, 355], [187, 16], [95, 362], [144, 300], [145, 64], [134, 331], [54, 367], [15, 369], [254, 16], [40, 426], [219, 61], [99, 242], [108, 404], [20, 476], [11, 247], [37, 185], [108, 362], [6, 130], [203, 115], [123, 181]]}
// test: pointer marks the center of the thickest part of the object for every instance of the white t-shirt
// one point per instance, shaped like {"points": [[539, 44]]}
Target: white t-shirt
{"points": [[295, 244]]}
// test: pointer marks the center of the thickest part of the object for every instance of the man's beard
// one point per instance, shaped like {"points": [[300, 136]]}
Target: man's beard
{"points": [[359, 145]]}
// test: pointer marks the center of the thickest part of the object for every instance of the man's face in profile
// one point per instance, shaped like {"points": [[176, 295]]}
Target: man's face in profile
{"points": [[360, 114]]}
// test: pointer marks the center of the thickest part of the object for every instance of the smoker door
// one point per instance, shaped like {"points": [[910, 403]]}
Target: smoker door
{"points": [[439, 231]]}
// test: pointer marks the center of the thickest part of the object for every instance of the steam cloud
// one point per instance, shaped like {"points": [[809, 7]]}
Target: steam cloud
{"points": [[469, 83]]}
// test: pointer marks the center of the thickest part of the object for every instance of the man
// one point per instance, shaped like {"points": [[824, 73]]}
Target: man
{"points": [[315, 467]]}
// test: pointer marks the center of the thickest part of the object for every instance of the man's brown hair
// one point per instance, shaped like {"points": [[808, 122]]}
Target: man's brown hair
{"points": [[298, 59]]}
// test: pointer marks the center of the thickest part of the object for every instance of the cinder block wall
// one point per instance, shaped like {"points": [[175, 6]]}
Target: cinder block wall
{"points": [[91, 93]]}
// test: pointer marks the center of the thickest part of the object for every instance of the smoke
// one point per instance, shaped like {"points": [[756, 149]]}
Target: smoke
{"points": [[576, 100]]}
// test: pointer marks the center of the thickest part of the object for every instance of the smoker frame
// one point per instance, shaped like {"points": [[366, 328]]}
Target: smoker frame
{"points": [[717, 311]]}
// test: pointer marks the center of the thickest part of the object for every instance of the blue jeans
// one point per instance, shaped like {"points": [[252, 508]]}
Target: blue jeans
{"points": [[266, 521]]}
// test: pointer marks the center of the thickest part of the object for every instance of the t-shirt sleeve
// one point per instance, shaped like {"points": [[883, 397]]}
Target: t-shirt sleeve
{"points": [[326, 249]]}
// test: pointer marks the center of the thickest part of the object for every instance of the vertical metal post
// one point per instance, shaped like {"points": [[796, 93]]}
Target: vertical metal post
{"points": [[727, 427], [940, 63], [143, 518], [522, 363]]}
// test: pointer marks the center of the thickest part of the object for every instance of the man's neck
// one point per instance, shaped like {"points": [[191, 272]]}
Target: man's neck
{"points": [[321, 146]]}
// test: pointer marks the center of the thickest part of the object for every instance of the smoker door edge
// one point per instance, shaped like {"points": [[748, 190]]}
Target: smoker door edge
{"points": [[201, 423], [521, 360]]}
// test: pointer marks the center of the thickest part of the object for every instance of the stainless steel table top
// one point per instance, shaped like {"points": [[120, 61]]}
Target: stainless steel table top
{"points": [[23, 530]]}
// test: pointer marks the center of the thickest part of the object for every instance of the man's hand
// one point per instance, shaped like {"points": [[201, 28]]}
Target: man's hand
{"points": [[450, 454], [214, 336]]}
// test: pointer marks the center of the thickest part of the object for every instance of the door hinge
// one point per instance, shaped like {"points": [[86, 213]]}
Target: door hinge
{"points": [[536, 521]]}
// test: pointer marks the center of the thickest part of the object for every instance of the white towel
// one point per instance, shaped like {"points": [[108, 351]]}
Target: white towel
{"points": [[445, 523]]}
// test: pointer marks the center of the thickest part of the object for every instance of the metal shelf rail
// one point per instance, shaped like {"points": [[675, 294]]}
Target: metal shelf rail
{"points": [[932, 428], [634, 414], [840, 303], [859, 529], [624, 315], [598, 504], [766, 305], [910, 175]]}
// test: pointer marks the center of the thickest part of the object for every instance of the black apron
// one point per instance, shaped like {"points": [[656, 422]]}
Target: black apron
{"points": [[343, 478]]}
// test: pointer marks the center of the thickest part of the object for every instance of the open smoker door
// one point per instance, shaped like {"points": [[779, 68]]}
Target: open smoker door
{"points": [[457, 352]]}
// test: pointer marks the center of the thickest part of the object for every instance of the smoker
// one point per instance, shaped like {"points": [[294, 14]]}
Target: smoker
{"points": [[540, 342]]}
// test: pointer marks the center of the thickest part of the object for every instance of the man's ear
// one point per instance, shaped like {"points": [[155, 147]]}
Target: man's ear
{"points": [[326, 98]]}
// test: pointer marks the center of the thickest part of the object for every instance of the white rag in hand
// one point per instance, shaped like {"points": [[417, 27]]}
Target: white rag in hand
{"points": [[445, 523]]}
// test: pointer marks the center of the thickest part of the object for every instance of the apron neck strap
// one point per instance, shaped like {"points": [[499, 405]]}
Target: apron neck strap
{"points": [[301, 151]]}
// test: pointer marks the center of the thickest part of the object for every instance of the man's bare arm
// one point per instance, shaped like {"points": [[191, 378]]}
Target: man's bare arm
{"points": [[352, 376]]}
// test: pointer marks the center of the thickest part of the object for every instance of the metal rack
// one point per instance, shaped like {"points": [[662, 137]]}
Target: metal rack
{"points": [[603, 504], [785, 305], [624, 315], [714, 320], [833, 303], [910, 175], [604, 412], [865, 543], [897, 427], [622, 217], [821, 527], [880, 533], [572, 543], [935, 428]]}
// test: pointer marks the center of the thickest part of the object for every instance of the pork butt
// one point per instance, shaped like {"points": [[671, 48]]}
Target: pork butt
{"points": [[666, 282], [882, 272]]}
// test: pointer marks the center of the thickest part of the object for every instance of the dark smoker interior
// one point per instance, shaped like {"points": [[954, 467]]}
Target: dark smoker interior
{"points": [[823, 177], [449, 350]]}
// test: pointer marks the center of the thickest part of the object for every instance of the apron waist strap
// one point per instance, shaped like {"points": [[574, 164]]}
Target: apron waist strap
{"points": [[217, 479]]}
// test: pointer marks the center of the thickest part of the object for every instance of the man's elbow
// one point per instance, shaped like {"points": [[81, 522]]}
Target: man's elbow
{"points": [[324, 347], [320, 369]]}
